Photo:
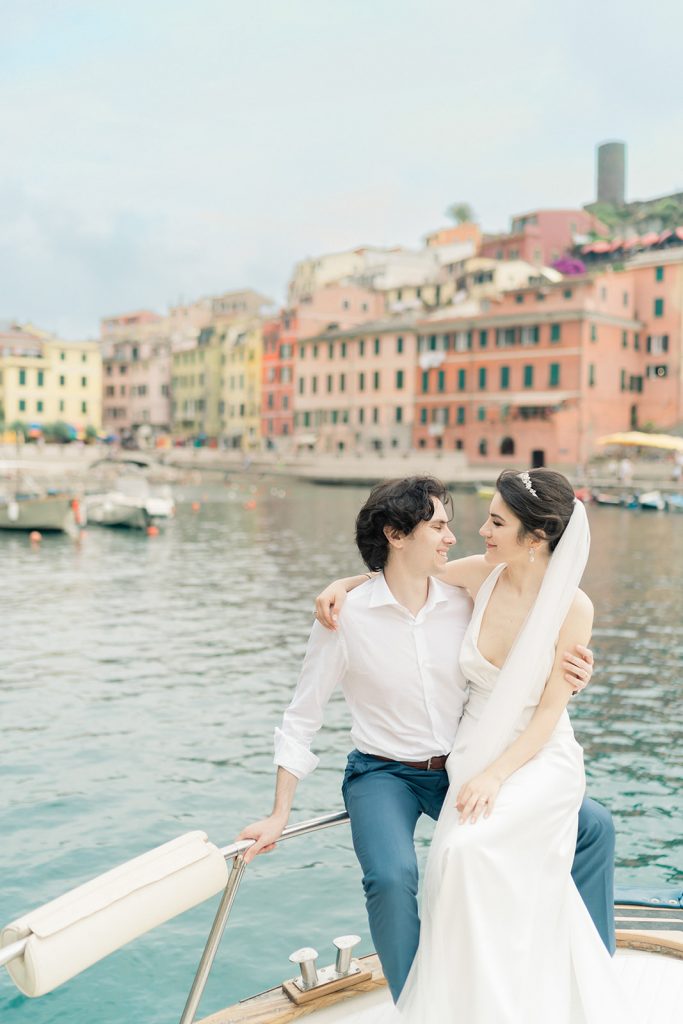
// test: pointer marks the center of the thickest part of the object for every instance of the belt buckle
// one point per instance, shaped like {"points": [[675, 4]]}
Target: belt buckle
{"points": [[429, 764]]}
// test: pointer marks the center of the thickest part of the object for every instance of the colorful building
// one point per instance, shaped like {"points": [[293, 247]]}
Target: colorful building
{"points": [[545, 372], [542, 236], [136, 372], [355, 388], [45, 380]]}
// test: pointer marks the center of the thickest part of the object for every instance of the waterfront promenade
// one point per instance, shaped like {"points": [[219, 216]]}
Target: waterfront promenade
{"points": [[71, 465]]}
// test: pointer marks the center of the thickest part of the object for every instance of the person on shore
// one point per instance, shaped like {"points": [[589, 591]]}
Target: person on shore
{"points": [[396, 653]]}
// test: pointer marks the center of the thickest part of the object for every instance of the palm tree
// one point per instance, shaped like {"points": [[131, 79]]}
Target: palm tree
{"points": [[461, 213]]}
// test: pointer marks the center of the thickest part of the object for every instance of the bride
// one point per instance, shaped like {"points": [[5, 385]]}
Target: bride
{"points": [[505, 937]]}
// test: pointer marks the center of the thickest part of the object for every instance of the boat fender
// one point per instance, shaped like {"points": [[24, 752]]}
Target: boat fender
{"points": [[88, 923]]}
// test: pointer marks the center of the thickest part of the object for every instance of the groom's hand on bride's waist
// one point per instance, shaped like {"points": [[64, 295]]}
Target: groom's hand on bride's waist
{"points": [[578, 667]]}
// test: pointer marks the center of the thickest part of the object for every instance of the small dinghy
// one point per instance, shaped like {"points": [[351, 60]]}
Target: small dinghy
{"points": [[652, 501], [54, 943]]}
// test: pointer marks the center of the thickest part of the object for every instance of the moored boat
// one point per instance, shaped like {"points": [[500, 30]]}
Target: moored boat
{"points": [[131, 502], [56, 513], [652, 501]]}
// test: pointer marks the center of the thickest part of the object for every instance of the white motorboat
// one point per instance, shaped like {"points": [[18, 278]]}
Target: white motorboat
{"points": [[131, 502], [25, 506], [48, 946]]}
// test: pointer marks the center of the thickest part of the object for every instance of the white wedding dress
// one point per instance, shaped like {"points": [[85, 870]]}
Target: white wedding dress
{"points": [[506, 938]]}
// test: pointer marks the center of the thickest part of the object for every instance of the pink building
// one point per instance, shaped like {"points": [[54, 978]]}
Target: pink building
{"points": [[539, 377], [136, 374], [541, 237], [355, 388]]}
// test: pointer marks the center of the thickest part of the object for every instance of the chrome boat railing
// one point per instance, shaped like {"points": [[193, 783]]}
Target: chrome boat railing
{"points": [[234, 852]]}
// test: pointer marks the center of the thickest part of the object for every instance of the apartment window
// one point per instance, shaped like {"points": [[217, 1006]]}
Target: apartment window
{"points": [[483, 339], [334, 416], [377, 346], [423, 415], [399, 346], [329, 383], [361, 415], [461, 341], [342, 382], [41, 378], [84, 382], [399, 414], [594, 333], [622, 381], [657, 344], [39, 406], [425, 381], [554, 378], [529, 335], [504, 377], [657, 371], [635, 383], [62, 356], [61, 405], [399, 380], [624, 339], [624, 299], [482, 378], [519, 299], [307, 419], [460, 415], [483, 447], [84, 406], [461, 380], [441, 385], [22, 405], [636, 342], [375, 380], [302, 351], [343, 350], [591, 375], [301, 385], [659, 307], [481, 413], [505, 336], [361, 382], [315, 351], [330, 350], [528, 376], [659, 273], [22, 376], [375, 415], [567, 293], [555, 331], [361, 346], [314, 385]]}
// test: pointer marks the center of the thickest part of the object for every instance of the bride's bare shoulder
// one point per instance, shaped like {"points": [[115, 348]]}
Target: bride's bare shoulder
{"points": [[469, 572], [581, 611]]}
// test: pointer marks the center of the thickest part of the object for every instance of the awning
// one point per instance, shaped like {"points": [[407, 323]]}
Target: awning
{"points": [[637, 439]]}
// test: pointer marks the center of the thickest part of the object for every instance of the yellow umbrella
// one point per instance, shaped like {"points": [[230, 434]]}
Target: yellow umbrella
{"points": [[636, 439]]}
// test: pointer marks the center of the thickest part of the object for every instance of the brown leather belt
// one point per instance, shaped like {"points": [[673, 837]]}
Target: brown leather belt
{"points": [[432, 764]]}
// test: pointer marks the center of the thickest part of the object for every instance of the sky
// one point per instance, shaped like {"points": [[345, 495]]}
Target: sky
{"points": [[153, 152]]}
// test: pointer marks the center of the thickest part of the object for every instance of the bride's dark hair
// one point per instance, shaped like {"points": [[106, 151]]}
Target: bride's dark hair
{"points": [[545, 513]]}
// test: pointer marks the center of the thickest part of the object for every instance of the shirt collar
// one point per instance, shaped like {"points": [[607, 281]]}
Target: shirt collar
{"points": [[382, 595]]}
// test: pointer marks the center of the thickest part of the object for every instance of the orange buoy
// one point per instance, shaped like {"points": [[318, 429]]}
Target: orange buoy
{"points": [[35, 536], [152, 531], [196, 506], [250, 504]]}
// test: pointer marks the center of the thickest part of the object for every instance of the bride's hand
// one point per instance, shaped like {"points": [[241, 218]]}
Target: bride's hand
{"points": [[329, 603], [477, 797]]}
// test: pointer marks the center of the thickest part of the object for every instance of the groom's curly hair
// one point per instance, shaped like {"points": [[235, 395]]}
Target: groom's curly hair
{"points": [[400, 504]]}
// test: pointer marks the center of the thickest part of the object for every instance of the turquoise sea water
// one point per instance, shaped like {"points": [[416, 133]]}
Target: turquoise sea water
{"points": [[140, 682]]}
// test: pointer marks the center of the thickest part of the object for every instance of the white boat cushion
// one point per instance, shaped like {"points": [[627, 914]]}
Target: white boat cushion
{"points": [[88, 923]]}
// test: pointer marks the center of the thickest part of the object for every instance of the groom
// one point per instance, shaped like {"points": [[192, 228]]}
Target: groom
{"points": [[395, 654]]}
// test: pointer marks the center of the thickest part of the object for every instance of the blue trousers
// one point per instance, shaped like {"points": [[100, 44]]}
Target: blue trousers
{"points": [[385, 799]]}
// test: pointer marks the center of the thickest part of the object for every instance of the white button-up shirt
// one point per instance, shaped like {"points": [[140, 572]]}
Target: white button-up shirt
{"points": [[399, 673]]}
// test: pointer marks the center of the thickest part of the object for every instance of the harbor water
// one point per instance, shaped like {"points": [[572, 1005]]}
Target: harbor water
{"points": [[140, 682]]}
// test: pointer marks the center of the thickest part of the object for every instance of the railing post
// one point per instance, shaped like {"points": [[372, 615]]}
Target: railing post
{"points": [[213, 941]]}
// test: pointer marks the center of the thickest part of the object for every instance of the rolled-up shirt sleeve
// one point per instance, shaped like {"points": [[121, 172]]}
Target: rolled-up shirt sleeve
{"points": [[322, 671]]}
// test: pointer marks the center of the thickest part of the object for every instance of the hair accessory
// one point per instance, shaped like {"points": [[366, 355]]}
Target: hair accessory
{"points": [[526, 480]]}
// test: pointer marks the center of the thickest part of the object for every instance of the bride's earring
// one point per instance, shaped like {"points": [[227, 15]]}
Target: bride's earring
{"points": [[532, 556]]}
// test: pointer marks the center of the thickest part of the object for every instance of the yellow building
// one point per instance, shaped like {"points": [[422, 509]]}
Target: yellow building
{"points": [[44, 381], [196, 387], [240, 407]]}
